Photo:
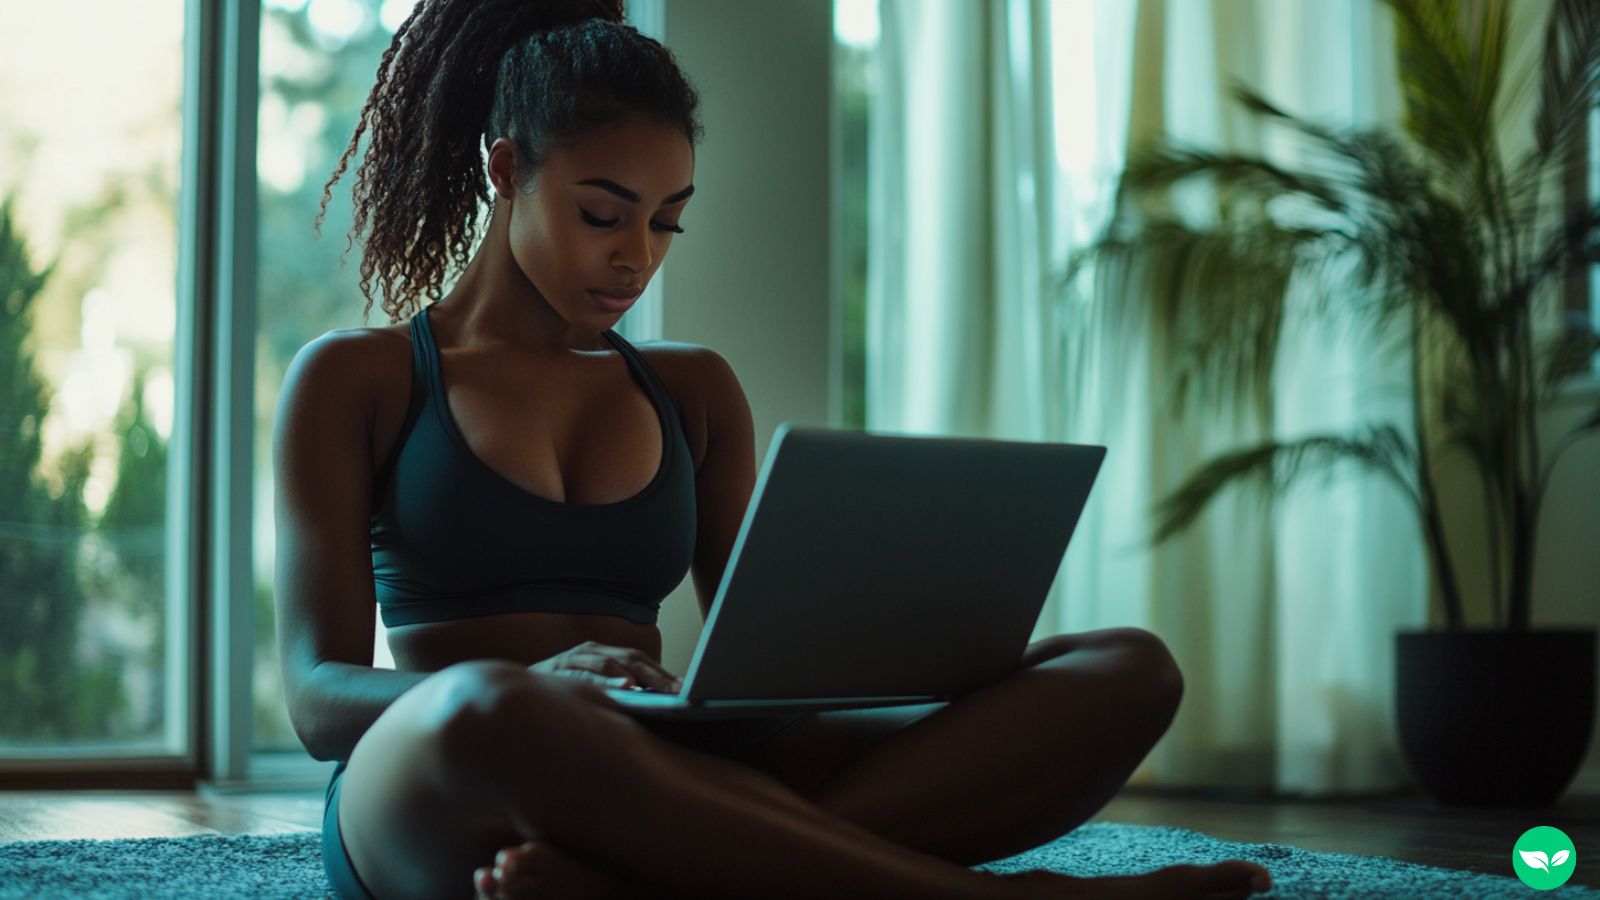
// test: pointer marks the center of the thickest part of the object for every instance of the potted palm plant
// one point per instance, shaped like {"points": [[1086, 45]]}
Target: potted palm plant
{"points": [[1452, 252]]}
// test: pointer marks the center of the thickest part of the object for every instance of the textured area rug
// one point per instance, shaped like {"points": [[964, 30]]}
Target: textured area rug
{"points": [[271, 866]]}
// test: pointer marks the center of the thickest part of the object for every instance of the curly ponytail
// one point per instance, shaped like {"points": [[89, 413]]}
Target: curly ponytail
{"points": [[539, 72]]}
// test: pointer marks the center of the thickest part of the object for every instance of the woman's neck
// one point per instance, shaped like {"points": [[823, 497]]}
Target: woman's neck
{"points": [[494, 303]]}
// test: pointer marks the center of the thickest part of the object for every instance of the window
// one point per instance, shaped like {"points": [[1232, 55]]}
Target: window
{"points": [[855, 83], [318, 62], [93, 649]]}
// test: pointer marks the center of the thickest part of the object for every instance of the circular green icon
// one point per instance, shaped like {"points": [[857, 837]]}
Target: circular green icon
{"points": [[1544, 857]]}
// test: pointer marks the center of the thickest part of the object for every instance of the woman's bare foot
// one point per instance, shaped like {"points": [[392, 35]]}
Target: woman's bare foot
{"points": [[1221, 881], [543, 870]]}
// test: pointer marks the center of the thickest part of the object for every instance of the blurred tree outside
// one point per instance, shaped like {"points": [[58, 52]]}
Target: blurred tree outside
{"points": [[55, 691], [133, 528]]}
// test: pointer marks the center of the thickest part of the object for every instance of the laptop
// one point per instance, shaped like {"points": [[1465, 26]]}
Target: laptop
{"points": [[877, 569]]}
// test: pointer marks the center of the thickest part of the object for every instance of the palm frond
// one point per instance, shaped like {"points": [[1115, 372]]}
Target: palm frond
{"points": [[1425, 246], [1333, 139], [1570, 246], [1213, 300], [1569, 82], [1162, 166], [1570, 77], [1276, 465], [1448, 81]]}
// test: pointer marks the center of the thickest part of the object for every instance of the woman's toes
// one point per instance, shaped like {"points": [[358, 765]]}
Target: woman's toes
{"points": [[514, 860], [541, 870], [1255, 876], [518, 871], [484, 883], [1232, 877]]}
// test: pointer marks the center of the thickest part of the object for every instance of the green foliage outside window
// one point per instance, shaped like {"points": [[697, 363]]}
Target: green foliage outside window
{"points": [[52, 693]]}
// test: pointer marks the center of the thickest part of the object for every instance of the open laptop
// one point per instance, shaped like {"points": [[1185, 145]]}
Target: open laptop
{"points": [[880, 570]]}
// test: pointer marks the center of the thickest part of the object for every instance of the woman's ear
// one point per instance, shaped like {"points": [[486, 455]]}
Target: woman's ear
{"points": [[503, 167]]}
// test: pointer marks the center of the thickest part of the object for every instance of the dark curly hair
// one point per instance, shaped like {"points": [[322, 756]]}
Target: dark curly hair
{"points": [[541, 73]]}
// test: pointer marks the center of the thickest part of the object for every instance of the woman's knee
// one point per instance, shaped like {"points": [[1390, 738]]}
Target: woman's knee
{"points": [[424, 800], [1141, 653], [473, 705], [1145, 673], [1153, 660], [485, 712]]}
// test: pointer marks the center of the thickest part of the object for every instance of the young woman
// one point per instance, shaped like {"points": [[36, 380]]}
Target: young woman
{"points": [[516, 487]]}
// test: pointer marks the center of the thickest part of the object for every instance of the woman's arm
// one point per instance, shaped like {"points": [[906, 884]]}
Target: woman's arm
{"points": [[727, 474], [326, 606], [339, 701]]}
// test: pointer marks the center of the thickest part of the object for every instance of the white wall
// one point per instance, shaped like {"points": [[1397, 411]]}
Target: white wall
{"points": [[751, 278]]}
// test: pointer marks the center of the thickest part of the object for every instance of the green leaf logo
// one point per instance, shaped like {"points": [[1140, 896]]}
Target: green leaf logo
{"points": [[1544, 857], [1536, 858]]}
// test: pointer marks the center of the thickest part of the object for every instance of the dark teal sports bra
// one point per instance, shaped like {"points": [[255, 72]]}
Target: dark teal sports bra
{"points": [[453, 539]]}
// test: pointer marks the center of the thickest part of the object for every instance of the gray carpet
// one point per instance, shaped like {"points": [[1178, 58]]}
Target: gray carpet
{"points": [[271, 866]]}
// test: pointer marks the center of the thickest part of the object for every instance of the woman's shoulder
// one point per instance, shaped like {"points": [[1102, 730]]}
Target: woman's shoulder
{"points": [[679, 355], [354, 351], [691, 371], [699, 379], [362, 365]]}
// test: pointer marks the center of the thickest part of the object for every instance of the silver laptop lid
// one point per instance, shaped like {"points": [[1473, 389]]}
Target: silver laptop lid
{"points": [[879, 565]]}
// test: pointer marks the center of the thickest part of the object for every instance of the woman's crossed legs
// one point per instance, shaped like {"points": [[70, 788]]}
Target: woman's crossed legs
{"points": [[883, 803]]}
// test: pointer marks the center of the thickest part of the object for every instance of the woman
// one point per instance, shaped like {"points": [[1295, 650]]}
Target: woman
{"points": [[516, 487]]}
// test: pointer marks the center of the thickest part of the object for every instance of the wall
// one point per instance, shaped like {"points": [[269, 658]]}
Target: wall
{"points": [[751, 276]]}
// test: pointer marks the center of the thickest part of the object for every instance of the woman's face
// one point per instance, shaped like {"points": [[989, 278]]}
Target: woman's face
{"points": [[600, 215]]}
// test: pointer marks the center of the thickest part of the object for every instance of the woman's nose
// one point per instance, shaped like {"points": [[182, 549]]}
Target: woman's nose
{"points": [[634, 254]]}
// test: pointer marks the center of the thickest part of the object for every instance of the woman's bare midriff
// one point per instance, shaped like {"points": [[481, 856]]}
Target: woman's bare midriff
{"points": [[521, 637]]}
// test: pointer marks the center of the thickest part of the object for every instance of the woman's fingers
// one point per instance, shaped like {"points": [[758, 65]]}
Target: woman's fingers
{"points": [[634, 666]]}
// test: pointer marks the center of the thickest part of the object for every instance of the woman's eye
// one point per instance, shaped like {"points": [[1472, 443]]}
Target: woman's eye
{"points": [[600, 223]]}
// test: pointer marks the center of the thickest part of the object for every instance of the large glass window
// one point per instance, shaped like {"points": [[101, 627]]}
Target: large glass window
{"points": [[90, 139], [318, 62]]}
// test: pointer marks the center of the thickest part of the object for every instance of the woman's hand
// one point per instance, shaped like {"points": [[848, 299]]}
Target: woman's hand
{"points": [[612, 667]]}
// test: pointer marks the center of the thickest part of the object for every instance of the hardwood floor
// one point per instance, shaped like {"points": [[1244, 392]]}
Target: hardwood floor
{"points": [[1407, 827], [59, 815]]}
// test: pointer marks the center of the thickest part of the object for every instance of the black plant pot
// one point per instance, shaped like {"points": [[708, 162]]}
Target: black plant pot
{"points": [[1495, 718]]}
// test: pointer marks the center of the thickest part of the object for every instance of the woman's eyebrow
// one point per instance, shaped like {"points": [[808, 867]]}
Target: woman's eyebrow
{"points": [[609, 185]]}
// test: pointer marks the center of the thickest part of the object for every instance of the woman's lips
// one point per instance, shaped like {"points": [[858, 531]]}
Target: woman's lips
{"points": [[613, 304]]}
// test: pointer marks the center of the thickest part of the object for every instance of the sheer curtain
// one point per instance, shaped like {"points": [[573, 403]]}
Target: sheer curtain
{"points": [[997, 136]]}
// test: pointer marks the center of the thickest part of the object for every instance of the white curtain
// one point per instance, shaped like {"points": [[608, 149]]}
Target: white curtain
{"points": [[996, 137]]}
